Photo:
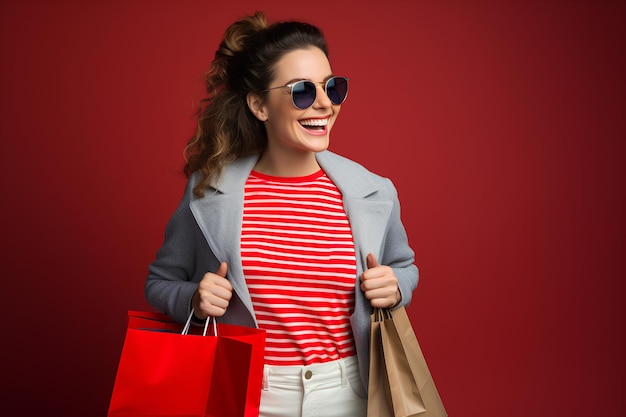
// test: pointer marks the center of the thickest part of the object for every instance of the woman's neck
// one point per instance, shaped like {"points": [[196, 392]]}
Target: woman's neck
{"points": [[270, 164]]}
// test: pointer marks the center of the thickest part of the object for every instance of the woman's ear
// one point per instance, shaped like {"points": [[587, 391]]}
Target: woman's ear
{"points": [[257, 106]]}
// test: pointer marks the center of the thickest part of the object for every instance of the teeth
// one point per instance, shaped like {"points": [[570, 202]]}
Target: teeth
{"points": [[314, 122]]}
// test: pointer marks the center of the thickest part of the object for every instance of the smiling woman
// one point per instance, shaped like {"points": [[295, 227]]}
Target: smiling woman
{"points": [[295, 132], [274, 231]]}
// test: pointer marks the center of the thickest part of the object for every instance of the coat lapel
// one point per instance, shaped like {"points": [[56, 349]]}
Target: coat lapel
{"points": [[368, 215], [368, 220], [219, 215]]}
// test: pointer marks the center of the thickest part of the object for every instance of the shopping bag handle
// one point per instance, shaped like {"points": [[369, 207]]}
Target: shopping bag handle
{"points": [[206, 324], [382, 314]]}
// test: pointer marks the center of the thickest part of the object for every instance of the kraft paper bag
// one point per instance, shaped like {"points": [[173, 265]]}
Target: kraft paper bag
{"points": [[400, 383]]}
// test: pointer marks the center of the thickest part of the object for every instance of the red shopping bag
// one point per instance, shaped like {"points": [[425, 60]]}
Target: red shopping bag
{"points": [[256, 339], [165, 373]]}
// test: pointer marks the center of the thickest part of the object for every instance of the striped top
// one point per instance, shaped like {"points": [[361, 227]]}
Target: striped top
{"points": [[300, 267]]}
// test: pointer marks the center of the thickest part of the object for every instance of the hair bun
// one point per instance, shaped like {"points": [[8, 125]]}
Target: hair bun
{"points": [[237, 33], [233, 42]]}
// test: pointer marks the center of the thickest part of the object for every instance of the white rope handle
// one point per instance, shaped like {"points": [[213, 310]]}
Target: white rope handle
{"points": [[206, 324]]}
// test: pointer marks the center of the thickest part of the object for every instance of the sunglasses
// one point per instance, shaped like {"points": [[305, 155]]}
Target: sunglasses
{"points": [[304, 93]]}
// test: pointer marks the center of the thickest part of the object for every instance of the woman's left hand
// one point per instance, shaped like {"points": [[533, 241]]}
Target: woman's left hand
{"points": [[380, 284]]}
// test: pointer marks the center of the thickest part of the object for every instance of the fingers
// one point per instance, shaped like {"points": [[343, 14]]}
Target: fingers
{"points": [[379, 284], [384, 297], [214, 294]]}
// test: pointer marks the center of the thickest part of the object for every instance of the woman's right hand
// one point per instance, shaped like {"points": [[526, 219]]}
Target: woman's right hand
{"points": [[213, 294]]}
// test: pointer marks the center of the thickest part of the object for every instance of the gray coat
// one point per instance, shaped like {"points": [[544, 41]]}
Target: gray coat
{"points": [[203, 232]]}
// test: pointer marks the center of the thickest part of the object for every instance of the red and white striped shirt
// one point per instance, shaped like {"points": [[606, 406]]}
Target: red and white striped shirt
{"points": [[300, 267]]}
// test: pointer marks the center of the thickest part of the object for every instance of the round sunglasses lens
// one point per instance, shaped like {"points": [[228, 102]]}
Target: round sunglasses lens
{"points": [[303, 94], [337, 89]]}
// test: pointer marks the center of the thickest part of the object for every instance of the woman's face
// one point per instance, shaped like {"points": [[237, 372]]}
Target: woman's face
{"points": [[291, 131]]}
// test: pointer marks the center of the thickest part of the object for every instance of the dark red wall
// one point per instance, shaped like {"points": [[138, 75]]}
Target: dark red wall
{"points": [[501, 123]]}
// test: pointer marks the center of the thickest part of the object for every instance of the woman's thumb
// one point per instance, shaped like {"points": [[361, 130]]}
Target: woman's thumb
{"points": [[371, 261], [222, 270]]}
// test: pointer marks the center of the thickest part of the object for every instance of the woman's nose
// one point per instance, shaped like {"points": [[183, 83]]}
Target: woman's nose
{"points": [[321, 98]]}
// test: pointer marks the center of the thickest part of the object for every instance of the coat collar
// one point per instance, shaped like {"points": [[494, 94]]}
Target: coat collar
{"points": [[348, 178]]}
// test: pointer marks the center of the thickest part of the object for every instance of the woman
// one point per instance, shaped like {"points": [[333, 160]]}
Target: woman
{"points": [[275, 231]]}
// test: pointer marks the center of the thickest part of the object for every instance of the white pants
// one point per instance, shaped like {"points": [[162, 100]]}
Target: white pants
{"points": [[331, 389]]}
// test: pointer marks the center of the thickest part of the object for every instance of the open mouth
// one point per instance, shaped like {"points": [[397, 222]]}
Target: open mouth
{"points": [[317, 125]]}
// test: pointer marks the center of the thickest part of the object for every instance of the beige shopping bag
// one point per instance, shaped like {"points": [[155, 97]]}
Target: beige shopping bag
{"points": [[400, 383]]}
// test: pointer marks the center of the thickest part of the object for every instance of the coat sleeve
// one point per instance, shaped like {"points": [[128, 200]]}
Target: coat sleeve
{"points": [[396, 251], [180, 264]]}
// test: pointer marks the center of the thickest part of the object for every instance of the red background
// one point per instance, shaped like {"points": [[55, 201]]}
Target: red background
{"points": [[501, 123]]}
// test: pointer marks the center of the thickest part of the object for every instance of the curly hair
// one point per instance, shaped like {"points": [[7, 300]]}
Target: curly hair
{"points": [[243, 63]]}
